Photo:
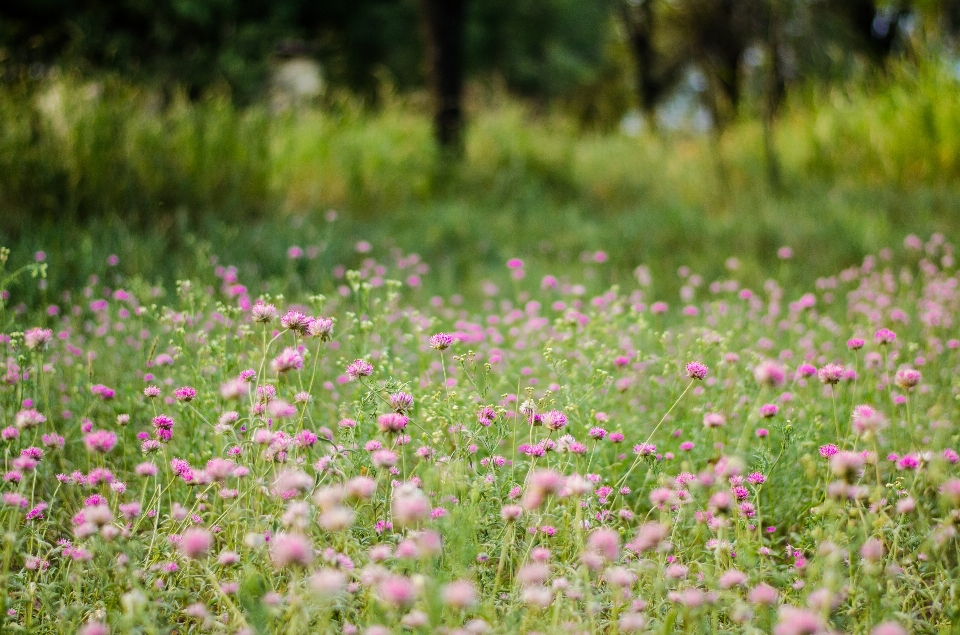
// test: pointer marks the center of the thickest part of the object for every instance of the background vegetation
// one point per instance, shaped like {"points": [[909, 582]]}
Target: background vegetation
{"points": [[152, 134]]}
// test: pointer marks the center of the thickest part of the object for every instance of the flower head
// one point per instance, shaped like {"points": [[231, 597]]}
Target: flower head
{"points": [[359, 368], [696, 370], [441, 341]]}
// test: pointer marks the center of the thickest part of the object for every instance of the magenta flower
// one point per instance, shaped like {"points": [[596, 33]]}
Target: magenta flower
{"points": [[392, 422], [696, 370], [37, 338], [185, 394], [321, 328], [907, 378], [296, 322], [100, 441], [103, 392], [359, 368], [830, 373], [263, 313], [441, 341], [884, 336], [289, 359]]}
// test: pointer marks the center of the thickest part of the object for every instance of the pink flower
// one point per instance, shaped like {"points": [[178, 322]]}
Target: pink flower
{"points": [[830, 373], [888, 628], [287, 549], [794, 621], [769, 373], [296, 322], [397, 591], [100, 441], [696, 370], [263, 313], [392, 422], [605, 542], [907, 378], [460, 594], [441, 341], [289, 359], [185, 394], [359, 368], [884, 336], [195, 542], [37, 338]]}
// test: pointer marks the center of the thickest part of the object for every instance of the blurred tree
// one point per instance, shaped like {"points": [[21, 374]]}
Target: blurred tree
{"points": [[444, 25], [657, 67]]}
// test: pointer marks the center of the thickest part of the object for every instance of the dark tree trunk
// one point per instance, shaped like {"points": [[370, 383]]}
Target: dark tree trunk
{"points": [[444, 23], [638, 21]]}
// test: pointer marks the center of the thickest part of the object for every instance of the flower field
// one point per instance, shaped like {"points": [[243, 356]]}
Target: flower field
{"points": [[558, 457]]}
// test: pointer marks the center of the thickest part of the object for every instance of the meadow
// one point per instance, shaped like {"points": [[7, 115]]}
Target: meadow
{"points": [[267, 373], [739, 461]]}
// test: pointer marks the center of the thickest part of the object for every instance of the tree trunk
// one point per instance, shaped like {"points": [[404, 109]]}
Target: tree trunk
{"points": [[444, 23], [639, 22]]}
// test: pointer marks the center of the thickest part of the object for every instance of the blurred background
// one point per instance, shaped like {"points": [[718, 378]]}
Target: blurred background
{"points": [[620, 132]]}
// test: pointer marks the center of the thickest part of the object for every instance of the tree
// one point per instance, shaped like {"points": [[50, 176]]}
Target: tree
{"points": [[444, 28], [656, 71]]}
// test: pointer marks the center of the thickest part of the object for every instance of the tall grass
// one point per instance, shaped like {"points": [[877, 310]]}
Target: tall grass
{"points": [[166, 181]]}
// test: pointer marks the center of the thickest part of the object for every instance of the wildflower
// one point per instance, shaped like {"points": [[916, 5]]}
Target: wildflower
{"points": [[151, 392], [714, 420], [884, 336], [830, 373], [103, 392], [289, 549], [907, 378], [828, 450], [649, 536], [289, 359], [397, 591], [855, 343], [794, 621], [554, 420], [486, 416], [441, 341], [359, 368], [696, 370], [889, 628], [185, 394], [866, 420], [768, 410], [195, 542], [605, 542], [769, 373], [846, 465], [30, 418], [732, 578], [328, 583], [872, 550], [37, 338], [459, 595], [409, 505], [263, 313], [100, 441], [296, 322], [321, 328], [806, 370]]}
